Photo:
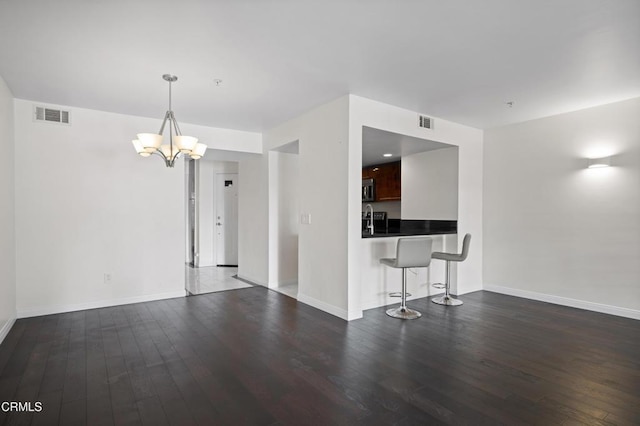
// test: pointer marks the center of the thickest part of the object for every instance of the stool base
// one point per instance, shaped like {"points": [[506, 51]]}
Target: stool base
{"points": [[447, 300], [403, 313]]}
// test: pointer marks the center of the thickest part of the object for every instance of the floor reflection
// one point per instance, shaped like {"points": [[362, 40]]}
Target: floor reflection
{"points": [[211, 279]]}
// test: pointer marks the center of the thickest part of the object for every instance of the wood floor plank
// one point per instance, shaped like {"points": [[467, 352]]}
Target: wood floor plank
{"points": [[253, 356], [74, 413], [151, 412], [123, 401]]}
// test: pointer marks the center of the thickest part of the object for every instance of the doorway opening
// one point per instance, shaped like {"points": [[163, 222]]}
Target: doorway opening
{"points": [[212, 227], [284, 195]]}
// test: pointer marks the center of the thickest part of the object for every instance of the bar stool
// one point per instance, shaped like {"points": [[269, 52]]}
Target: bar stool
{"points": [[446, 299], [410, 253]]}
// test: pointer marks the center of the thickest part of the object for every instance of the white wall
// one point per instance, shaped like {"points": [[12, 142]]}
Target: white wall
{"points": [[323, 169], [284, 200], [7, 216], [253, 219], [430, 185], [87, 205], [555, 230], [365, 112]]}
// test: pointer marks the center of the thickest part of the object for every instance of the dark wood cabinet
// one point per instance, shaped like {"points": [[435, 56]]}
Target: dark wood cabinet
{"points": [[387, 179]]}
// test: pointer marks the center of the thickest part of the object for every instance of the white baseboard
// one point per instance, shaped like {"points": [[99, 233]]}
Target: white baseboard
{"points": [[565, 301], [469, 289], [48, 310], [330, 309], [354, 315], [283, 283], [6, 328]]}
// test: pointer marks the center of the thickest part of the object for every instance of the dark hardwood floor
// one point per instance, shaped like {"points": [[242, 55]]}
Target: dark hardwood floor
{"points": [[256, 357]]}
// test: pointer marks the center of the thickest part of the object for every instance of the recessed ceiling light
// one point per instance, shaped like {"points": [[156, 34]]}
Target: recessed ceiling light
{"points": [[388, 155]]}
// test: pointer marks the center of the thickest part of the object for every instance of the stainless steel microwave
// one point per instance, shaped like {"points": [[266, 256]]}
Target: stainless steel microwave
{"points": [[368, 190]]}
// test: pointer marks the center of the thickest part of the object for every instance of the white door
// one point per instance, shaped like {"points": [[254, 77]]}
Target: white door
{"points": [[227, 219]]}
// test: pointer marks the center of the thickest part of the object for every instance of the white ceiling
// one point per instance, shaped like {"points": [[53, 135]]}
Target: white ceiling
{"points": [[215, 155], [376, 143], [457, 59]]}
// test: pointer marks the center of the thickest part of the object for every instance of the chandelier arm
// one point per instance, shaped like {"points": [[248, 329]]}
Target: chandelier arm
{"points": [[175, 124], [158, 152], [166, 117], [167, 161], [171, 162], [172, 127]]}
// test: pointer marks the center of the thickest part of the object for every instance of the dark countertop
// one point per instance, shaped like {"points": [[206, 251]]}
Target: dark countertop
{"points": [[405, 234], [404, 228]]}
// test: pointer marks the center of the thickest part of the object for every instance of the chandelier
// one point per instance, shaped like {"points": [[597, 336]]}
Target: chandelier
{"points": [[151, 143]]}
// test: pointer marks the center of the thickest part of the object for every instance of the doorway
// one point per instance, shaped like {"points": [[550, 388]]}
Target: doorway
{"points": [[192, 213], [212, 226], [284, 213]]}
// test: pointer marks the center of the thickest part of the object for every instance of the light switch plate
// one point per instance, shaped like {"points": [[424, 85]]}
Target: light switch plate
{"points": [[305, 218]]}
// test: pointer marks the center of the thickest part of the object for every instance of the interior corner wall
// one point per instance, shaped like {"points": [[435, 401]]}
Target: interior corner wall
{"points": [[7, 212], [556, 230], [284, 195], [86, 206], [253, 219], [323, 139]]}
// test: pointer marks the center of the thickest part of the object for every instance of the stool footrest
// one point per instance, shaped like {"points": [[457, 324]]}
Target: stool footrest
{"points": [[438, 285], [398, 294]]}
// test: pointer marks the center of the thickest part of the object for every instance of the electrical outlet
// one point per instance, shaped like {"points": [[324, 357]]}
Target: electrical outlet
{"points": [[107, 278]]}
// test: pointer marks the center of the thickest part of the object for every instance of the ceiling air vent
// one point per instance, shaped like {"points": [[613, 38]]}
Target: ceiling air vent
{"points": [[52, 115], [425, 122]]}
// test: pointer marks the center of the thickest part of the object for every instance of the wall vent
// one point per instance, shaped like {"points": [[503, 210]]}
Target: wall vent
{"points": [[51, 115], [425, 122]]}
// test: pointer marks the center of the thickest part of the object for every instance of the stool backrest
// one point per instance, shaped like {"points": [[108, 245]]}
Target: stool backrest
{"points": [[413, 252], [465, 247]]}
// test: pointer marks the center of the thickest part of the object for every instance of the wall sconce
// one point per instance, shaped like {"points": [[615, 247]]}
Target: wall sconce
{"points": [[596, 163]]}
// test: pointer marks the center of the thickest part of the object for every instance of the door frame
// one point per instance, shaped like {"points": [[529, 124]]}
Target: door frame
{"points": [[192, 223]]}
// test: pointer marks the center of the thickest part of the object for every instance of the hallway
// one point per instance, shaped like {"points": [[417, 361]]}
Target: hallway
{"points": [[211, 279]]}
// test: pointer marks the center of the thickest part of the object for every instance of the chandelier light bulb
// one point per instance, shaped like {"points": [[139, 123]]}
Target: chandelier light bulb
{"points": [[185, 143], [198, 151]]}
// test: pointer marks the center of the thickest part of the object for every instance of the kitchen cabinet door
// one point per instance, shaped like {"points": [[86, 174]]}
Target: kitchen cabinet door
{"points": [[388, 182], [387, 179], [367, 173]]}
